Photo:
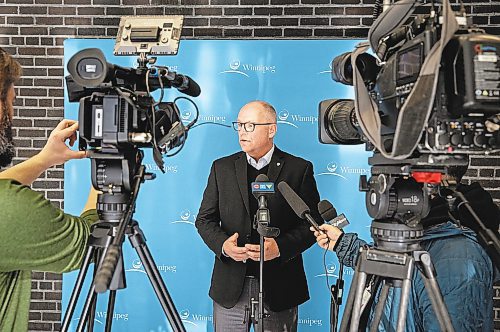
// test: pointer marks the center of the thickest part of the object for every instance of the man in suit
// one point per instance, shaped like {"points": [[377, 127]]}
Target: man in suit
{"points": [[225, 223]]}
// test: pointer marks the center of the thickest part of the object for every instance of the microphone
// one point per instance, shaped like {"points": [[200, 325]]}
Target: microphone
{"points": [[297, 204], [329, 214], [186, 85], [262, 188], [183, 83]]}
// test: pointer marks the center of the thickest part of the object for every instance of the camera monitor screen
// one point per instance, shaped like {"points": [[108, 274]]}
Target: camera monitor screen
{"points": [[409, 63], [152, 35]]}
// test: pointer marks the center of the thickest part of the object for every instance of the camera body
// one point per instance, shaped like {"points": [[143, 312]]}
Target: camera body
{"points": [[118, 114], [467, 98]]}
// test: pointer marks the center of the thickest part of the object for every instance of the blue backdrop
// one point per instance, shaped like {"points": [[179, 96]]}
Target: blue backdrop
{"points": [[294, 76]]}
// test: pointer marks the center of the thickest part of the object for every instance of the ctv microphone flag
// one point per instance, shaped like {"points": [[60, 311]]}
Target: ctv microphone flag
{"points": [[262, 188]]}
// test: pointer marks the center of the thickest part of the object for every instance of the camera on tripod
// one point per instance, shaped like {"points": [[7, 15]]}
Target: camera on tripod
{"points": [[117, 111], [117, 116], [426, 99], [416, 127]]}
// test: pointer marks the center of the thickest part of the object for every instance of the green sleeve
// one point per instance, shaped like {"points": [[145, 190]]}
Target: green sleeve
{"points": [[35, 235]]}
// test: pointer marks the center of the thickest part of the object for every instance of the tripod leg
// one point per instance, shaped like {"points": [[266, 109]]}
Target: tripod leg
{"points": [[349, 303], [356, 309], [90, 320], [434, 293], [138, 242], [111, 309], [85, 312], [334, 310], [403, 305], [379, 308], [77, 289]]}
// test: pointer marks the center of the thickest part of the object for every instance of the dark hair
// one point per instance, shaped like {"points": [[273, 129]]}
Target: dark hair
{"points": [[10, 71]]}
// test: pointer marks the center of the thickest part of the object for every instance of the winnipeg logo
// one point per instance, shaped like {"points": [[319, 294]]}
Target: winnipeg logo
{"points": [[136, 266], [184, 314], [187, 116], [329, 71], [332, 170], [283, 118], [234, 69], [185, 218], [234, 65], [329, 271]]}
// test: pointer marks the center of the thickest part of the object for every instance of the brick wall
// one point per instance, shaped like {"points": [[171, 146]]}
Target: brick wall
{"points": [[34, 31]]}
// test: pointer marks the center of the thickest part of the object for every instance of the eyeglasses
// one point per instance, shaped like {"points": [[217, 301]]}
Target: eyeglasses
{"points": [[249, 126]]}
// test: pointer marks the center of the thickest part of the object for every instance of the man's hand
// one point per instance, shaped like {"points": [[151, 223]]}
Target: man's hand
{"points": [[271, 250], [231, 249], [55, 151], [328, 238]]}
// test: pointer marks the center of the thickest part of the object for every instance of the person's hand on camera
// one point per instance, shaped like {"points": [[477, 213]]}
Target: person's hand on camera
{"points": [[230, 248], [271, 250], [55, 151], [328, 238]]}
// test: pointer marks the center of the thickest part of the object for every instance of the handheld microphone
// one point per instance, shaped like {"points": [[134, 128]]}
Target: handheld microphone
{"points": [[329, 214], [297, 204], [262, 188]]}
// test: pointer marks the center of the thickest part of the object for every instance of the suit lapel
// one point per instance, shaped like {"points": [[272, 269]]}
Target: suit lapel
{"points": [[240, 165], [276, 165]]}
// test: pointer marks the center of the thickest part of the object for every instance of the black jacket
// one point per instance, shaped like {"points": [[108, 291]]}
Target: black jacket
{"points": [[225, 211]]}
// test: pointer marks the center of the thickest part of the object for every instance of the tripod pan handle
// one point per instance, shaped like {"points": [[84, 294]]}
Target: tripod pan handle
{"points": [[107, 269]]}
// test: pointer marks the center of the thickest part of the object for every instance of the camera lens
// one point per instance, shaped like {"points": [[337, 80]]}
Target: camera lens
{"points": [[342, 69], [340, 122]]}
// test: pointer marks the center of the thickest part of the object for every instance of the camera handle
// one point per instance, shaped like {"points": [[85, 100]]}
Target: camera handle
{"points": [[262, 220], [100, 243], [486, 237]]}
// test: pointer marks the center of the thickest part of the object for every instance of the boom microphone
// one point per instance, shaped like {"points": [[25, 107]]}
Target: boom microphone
{"points": [[297, 204], [186, 85], [183, 83]]}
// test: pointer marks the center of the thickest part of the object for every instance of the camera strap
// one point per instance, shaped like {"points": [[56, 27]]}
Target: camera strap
{"points": [[417, 108]]}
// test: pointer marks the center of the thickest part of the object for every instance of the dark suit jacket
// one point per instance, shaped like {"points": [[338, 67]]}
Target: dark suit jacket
{"points": [[225, 211]]}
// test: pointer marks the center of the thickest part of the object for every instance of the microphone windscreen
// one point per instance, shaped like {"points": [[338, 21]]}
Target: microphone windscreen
{"points": [[326, 210], [193, 88], [296, 203], [261, 178]]}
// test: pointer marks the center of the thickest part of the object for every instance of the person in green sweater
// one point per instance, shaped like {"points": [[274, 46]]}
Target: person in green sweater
{"points": [[34, 234]]}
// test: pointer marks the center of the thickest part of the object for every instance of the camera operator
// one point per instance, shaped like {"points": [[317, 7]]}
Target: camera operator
{"points": [[465, 273], [34, 234]]}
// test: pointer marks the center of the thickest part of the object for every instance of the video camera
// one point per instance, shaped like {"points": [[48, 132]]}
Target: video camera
{"points": [[117, 113], [426, 100]]}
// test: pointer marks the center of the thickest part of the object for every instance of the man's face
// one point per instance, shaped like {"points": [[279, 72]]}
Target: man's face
{"points": [[260, 141], [6, 139]]}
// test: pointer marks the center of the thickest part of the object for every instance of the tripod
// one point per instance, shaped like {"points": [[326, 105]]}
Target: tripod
{"points": [[394, 258], [104, 246]]}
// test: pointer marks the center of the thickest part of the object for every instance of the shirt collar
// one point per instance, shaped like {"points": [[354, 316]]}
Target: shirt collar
{"points": [[262, 162]]}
